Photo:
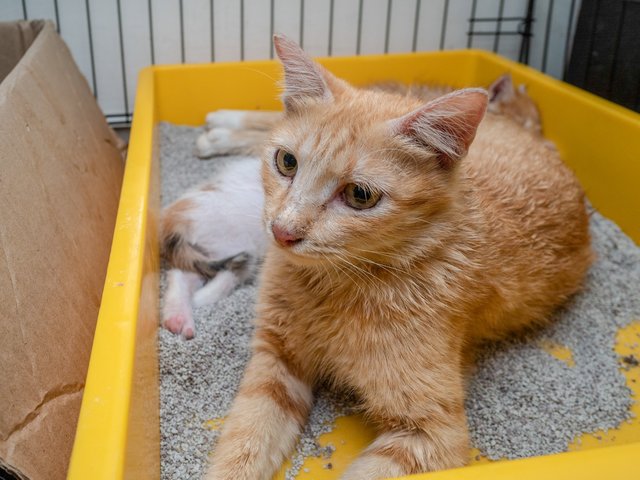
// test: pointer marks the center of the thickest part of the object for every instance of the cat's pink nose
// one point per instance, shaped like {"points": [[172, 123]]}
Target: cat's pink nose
{"points": [[284, 237]]}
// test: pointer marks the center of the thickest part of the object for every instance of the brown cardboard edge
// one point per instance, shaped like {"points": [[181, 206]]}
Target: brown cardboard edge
{"points": [[64, 407]]}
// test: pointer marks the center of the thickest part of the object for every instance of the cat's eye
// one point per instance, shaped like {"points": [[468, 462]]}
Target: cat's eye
{"points": [[360, 196], [286, 163]]}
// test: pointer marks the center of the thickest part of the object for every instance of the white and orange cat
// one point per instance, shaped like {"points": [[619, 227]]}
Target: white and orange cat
{"points": [[212, 237], [213, 240], [401, 234]]}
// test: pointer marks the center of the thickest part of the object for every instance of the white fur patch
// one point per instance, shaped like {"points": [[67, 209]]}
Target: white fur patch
{"points": [[214, 142], [233, 119]]}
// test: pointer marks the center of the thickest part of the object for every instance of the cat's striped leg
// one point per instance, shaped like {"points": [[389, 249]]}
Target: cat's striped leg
{"points": [[403, 452], [266, 417]]}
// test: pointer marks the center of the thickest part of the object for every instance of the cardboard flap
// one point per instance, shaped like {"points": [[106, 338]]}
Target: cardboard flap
{"points": [[60, 178], [15, 39]]}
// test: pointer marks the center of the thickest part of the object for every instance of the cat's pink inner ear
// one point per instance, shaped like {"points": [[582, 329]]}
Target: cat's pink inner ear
{"points": [[502, 89], [446, 125], [303, 78]]}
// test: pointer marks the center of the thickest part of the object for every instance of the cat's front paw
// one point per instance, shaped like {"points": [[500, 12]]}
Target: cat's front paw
{"points": [[215, 142], [373, 467]]}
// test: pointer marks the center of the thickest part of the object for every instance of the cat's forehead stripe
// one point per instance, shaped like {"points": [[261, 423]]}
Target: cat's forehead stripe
{"points": [[323, 146]]}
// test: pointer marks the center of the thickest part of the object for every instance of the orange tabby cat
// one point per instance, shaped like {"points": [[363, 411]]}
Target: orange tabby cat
{"points": [[397, 245]]}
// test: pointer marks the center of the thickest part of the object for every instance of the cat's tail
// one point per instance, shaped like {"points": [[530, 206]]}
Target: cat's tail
{"points": [[175, 244]]}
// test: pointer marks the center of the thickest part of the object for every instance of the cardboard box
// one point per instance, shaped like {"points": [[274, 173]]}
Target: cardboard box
{"points": [[60, 178]]}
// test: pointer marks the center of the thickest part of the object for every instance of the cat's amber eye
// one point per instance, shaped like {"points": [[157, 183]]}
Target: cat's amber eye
{"points": [[286, 163], [360, 196]]}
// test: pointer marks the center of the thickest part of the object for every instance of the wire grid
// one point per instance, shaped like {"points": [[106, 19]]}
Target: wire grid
{"points": [[112, 39]]}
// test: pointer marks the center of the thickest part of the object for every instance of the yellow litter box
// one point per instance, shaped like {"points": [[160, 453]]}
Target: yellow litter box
{"points": [[118, 429]]}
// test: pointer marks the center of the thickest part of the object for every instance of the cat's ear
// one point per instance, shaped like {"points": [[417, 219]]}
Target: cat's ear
{"points": [[446, 125], [304, 79], [502, 90]]}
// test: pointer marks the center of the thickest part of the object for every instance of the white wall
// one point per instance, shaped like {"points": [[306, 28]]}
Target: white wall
{"points": [[176, 31]]}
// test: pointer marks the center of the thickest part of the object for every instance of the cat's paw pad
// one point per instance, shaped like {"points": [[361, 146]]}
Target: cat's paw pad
{"points": [[214, 142], [174, 323], [180, 324], [225, 119]]}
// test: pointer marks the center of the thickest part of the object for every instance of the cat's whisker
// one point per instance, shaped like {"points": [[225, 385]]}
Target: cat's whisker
{"points": [[273, 79], [369, 278], [343, 261], [324, 267], [394, 256], [370, 261], [389, 268], [346, 272], [383, 267], [399, 274]]}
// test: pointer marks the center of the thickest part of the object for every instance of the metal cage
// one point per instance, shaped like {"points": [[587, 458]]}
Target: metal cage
{"points": [[112, 39]]}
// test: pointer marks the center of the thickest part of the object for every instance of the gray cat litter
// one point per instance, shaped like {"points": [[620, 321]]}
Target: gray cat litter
{"points": [[522, 400]]}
